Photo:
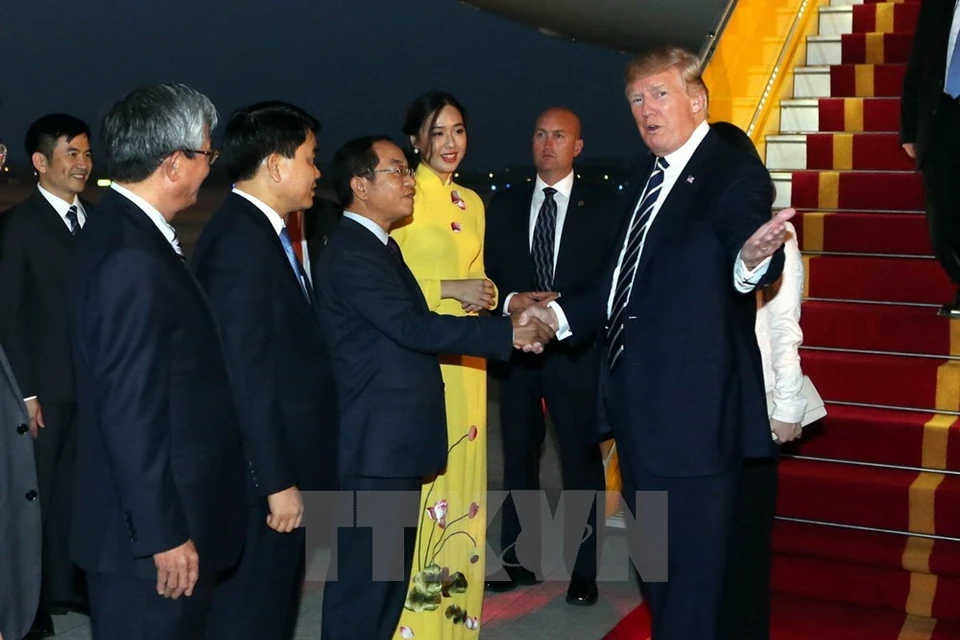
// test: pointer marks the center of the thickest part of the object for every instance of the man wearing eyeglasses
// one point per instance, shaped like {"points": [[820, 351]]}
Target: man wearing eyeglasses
{"points": [[384, 343], [159, 484]]}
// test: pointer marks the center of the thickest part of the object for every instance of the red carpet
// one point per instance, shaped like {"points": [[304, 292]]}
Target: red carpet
{"points": [[863, 232], [873, 342]]}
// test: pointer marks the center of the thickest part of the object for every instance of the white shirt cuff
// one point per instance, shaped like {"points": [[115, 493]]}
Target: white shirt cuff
{"points": [[30, 398], [744, 279], [563, 332], [506, 302]]}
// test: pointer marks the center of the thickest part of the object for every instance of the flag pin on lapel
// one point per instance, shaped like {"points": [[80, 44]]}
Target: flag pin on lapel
{"points": [[690, 179]]}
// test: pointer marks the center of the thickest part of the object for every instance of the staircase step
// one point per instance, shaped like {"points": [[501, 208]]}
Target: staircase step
{"points": [[866, 80], [842, 433], [796, 618], [885, 17], [874, 327], [835, 20], [873, 548], [872, 279], [888, 380], [859, 48], [869, 497], [863, 232], [893, 590], [855, 190], [812, 115], [837, 151]]}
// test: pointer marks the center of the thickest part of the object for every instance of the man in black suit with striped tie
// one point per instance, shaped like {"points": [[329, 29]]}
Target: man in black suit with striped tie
{"points": [[551, 235], [36, 238]]}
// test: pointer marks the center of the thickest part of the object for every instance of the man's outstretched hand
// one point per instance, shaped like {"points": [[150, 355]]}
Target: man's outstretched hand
{"points": [[766, 240]]}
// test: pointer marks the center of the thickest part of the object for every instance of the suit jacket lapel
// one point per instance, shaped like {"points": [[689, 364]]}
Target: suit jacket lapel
{"points": [[679, 202], [48, 217], [575, 226], [365, 238]]}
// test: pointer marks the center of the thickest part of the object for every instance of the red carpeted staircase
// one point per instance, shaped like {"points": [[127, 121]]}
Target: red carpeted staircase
{"points": [[867, 542]]}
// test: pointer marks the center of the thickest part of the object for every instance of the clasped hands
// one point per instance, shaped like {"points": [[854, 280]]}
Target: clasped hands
{"points": [[534, 325]]}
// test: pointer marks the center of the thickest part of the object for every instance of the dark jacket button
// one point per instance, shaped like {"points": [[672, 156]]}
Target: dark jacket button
{"points": [[22, 429], [31, 495]]}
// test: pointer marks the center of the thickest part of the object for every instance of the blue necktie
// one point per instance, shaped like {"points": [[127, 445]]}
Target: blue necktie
{"points": [[544, 236], [952, 87], [73, 220], [631, 259], [295, 262]]}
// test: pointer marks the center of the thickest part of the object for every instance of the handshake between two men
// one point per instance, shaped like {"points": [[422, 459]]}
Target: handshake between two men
{"points": [[530, 331]]}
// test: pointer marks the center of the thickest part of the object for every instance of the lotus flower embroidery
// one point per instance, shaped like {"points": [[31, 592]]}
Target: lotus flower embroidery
{"points": [[457, 200], [456, 226]]}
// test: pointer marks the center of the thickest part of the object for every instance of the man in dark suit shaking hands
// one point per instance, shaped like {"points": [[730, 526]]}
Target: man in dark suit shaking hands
{"points": [[279, 369], [930, 129], [552, 235], [36, 238], [681, 384], [384, 345], [159, 504]]}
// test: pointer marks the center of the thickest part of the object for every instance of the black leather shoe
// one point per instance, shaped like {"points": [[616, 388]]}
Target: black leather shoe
{"points": [[42, 626], [520, 578], [582, 592]]}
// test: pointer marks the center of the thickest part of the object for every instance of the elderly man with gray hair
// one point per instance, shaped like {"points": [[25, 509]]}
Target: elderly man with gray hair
{"points": [[160, 500]]}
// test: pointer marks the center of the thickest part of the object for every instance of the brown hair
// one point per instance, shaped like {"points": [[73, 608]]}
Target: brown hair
{"points": [[658, 60]]}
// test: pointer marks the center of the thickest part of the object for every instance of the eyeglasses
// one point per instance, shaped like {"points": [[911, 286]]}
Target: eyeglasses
{"points": [[212, 154], [400, 171]]}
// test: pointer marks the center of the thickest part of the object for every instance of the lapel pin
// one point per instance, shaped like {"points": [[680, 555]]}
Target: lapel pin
{"points": [[580, 203], [690, 179]]}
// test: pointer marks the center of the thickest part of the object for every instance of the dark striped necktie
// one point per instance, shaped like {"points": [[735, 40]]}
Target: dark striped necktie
{"points": [[544, 237], [73, 219], [636, 234]]}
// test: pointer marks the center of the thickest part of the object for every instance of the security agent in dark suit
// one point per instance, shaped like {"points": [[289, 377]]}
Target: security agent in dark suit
{"points": [[680, 382], [552, 235], [384, 345], [930, 128], [160, 501], [278, 363], [20, 524], [36, 238]]}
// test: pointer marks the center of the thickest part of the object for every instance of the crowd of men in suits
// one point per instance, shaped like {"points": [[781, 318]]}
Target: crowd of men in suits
{"points": [[210, 395]]}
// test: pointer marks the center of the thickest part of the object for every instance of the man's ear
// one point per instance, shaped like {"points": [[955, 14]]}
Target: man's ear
{"points": [[577, 148], [39, 162], [359, 187], [272, 163]]}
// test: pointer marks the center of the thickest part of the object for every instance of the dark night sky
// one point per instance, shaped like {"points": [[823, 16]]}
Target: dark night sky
{"points": [[354, 64]]}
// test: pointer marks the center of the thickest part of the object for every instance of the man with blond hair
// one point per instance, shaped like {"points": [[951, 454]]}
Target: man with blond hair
{"points": [[681, 383]]}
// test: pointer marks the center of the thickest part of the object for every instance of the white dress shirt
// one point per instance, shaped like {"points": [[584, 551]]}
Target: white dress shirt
{"points": [[372, 226], [779, 337], [62, 207], [155, 216], [743, 279], [562, 198], [954, 33], [275, 220]]}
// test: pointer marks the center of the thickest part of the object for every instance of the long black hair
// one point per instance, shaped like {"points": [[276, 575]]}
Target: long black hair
{"points": [[427, 108]]}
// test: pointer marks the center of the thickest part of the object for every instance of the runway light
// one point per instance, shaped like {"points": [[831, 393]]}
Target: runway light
{"points": [[491, 175], [620, 188], [506, 186], [456, 175], [493, 187], [103, 182], [606, 177]]}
